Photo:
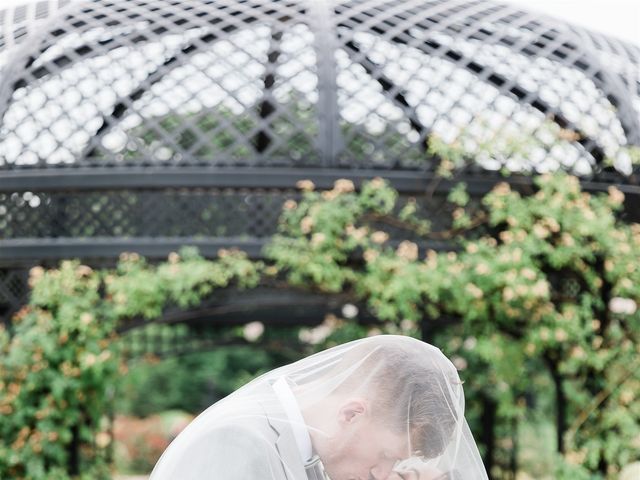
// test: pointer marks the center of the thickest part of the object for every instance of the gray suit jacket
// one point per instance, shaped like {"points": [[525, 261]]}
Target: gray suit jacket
{"points": [[255, 442]]}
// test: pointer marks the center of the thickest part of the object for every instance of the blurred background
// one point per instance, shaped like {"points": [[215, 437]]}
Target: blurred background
{"points": [[461, 171]]}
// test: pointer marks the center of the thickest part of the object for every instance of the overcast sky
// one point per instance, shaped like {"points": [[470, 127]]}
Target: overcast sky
{"points": [[619, 18]]}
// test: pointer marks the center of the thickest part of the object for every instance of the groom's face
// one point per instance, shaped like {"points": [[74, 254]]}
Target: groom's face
{"points": [[362, 448]]}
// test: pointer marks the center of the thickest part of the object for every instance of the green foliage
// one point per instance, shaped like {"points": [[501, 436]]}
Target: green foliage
{"points": [[192, 382], [60, 363], [139, 289], [565, 470], [510, 288], [458, 195], [55, 372], [536, 290]]}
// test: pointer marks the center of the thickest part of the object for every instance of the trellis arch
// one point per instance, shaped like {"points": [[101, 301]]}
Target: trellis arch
{"points": [[214, 110]]}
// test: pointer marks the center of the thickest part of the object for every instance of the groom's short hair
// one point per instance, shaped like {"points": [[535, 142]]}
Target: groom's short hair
{"points": [[409, 390]]}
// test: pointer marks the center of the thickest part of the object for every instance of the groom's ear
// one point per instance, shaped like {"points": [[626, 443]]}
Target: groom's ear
{"points": [[352, 410]]}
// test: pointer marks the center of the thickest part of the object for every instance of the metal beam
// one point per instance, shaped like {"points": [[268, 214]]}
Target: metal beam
{"points": [[126, 178], [330, 142], [31, 251], [44, 249]]}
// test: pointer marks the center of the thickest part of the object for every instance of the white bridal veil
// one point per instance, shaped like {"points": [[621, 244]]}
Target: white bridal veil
{"points": [[385, 407]]}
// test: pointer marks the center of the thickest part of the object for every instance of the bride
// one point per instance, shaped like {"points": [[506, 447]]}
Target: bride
{"points": [[385, 407]]}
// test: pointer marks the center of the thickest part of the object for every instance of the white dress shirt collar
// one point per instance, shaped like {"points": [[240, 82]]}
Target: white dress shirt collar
{"points": [[294, 415]]}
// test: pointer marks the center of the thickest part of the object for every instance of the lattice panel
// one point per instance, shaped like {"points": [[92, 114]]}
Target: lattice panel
{"points": [[360, 83], [14, 291], [174, 213], [148, 213]]}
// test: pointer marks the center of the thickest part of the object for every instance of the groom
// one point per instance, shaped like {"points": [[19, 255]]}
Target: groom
{"points": [[358, 418]]}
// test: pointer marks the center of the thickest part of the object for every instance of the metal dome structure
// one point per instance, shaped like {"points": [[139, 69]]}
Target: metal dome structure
{"points": [[147, 124]]}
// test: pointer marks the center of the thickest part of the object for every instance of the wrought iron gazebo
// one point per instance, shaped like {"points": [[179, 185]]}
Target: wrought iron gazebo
{"points": [[148, 124]]}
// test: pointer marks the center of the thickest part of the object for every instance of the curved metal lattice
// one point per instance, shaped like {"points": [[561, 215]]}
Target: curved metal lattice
{"points": [[312, 83]]}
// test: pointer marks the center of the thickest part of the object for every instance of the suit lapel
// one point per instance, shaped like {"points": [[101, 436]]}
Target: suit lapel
{"points": [[285, 441]]}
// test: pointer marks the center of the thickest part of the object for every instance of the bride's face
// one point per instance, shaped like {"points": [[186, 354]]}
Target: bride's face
{"points": [[362, 449]]}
